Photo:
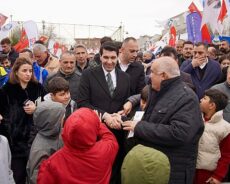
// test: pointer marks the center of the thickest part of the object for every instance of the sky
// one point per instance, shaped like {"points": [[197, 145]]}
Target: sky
{"points": [[137, 16]]}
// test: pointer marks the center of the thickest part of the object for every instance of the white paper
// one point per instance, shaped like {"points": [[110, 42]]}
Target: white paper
{"points": [[137, 117]]}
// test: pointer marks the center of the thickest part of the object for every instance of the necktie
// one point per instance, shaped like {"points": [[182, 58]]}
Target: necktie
{"points": [[110, 84]]}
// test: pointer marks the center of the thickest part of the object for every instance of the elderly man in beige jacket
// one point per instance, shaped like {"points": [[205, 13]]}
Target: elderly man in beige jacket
{"points": [[44, 59]]}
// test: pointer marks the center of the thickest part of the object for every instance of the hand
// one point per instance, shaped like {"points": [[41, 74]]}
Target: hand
{"points": [[112, 121], [29, 107], [212, 180], [129, 125], [198, 61], [127, 107], [118, 117]]}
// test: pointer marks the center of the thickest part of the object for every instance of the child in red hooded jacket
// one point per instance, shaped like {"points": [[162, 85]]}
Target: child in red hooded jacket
{"points": [[88, 153]]}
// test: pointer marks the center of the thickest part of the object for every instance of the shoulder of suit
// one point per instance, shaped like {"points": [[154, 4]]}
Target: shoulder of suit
{"points": [[213, 61], [122, 73]]}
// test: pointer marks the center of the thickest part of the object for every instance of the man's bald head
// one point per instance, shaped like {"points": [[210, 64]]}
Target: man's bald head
{"points": [[162, 69], [167, 65]]}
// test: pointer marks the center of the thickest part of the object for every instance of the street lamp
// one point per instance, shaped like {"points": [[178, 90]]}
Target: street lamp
{"points": [[43, 27]]}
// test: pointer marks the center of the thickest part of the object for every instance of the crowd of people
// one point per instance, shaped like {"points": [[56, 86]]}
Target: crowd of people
{"points": [[117, 116]]}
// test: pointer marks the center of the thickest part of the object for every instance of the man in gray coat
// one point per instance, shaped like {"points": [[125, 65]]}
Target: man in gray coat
{"points": [[67, 71], [225, 88], [172, 122]]}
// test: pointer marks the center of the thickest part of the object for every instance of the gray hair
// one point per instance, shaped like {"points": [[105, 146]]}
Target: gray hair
{"points": [[70, 53], [39, 47], [169, 66]]}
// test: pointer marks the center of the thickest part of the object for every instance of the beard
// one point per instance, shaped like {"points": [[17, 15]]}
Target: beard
{"points": [[223, 50]]}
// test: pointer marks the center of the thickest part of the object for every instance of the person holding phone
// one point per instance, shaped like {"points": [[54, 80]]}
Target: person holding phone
{"points": [[17, 104]]}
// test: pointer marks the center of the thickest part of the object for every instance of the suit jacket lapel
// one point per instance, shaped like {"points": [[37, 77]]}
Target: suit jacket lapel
{"points": [[119, 81]]}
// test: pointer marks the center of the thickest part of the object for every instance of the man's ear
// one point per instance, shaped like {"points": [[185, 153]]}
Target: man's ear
{"points": [[212, 106], [165, 76]]}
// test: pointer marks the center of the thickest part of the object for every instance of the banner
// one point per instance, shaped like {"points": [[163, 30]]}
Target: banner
{"points": [[205, 35], [2, 19], [193, 22], [31, 30], [5, 30], [210, 15]]}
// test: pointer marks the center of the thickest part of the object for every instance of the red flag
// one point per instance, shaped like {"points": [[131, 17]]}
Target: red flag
{"points": [[223, 12], [64, 48], [56, 47], [172, 39], [192, 8], [206, 37], [2, 19], [43, 38], [23, 42]]}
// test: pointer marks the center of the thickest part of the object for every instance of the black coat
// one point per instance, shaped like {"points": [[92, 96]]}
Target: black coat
{"points": [[12, 55], [16, 125], [94, 93], [173, 124], [137, 77]]}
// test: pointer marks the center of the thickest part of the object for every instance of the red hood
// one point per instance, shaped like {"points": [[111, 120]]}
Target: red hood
{"points": [[81, 129]]}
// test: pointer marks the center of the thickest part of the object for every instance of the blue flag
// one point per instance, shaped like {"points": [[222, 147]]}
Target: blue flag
{"points": [[193, 22]]}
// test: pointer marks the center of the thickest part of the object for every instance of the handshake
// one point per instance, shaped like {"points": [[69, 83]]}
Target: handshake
{"points": [[113, 121]]}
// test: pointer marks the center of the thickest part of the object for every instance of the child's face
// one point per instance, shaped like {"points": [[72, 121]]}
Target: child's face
{"points": [[205, 104], [61, 97]]}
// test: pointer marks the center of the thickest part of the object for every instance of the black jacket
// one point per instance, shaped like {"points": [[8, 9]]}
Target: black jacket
{"points": [[94, 93], [172, 123], [16, 125], [137, 77], [13, 55]]}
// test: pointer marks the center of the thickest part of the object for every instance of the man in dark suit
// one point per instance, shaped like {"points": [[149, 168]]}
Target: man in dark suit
{"points": [[128, 54], [105, 89]]}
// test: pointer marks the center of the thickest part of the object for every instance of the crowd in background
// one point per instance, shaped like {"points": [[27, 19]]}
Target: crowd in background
{"points": [[117, 116]]}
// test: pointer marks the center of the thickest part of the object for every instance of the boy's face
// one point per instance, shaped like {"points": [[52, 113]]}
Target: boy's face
{"points": [[205, 104], [61, 97]]}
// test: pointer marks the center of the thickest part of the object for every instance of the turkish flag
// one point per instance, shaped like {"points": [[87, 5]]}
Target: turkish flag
{"points": [[56, 47], [23, 42], [172, 39], [192, 8], [64, 48], [223, 12], [44, 38]]}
